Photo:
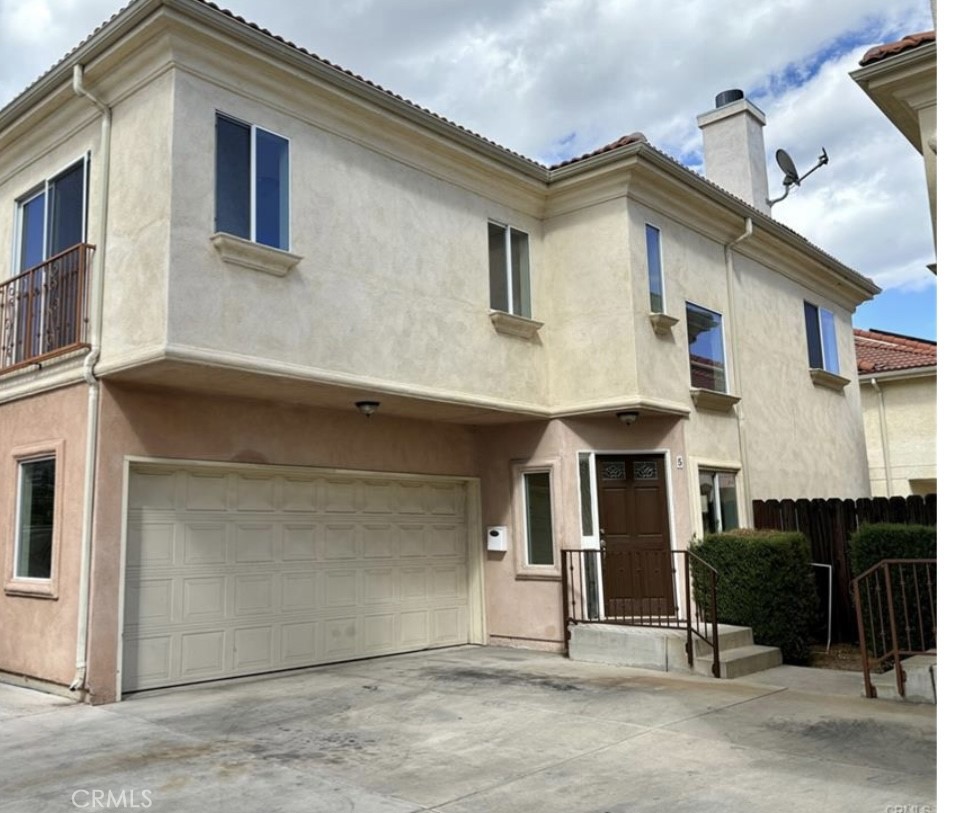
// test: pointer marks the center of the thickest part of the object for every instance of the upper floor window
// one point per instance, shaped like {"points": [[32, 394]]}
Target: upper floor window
{"points": [[509, 255], [52, 218], [655, 269], [252, 183], [821, 339], [34, 523], [707, 355]]}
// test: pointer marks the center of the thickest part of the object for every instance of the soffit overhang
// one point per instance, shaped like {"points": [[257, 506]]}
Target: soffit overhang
{"points": [[902, 85]]}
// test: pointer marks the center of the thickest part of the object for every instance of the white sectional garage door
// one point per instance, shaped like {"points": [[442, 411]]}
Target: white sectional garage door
{"points": [[235, 571]]}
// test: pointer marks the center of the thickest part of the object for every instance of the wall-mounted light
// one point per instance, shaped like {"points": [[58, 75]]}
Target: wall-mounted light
{"points": [[367, 408], [628, 417]]}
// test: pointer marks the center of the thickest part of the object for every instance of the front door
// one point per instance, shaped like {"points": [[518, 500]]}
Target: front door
{"points": [[635, 535]]}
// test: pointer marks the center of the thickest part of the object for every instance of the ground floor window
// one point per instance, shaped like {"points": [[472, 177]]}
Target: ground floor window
{"points": [[538, 518], [718, 502], [34, 524]]}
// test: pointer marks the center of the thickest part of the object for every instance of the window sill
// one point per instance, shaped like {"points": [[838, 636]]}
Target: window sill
{"points": [[712, 400], [549, 576], [823, 378], [512, 325], [31, 589], [246, 254], [663, 323]]}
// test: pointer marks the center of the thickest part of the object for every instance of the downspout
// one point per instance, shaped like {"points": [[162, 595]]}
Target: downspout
{"points": [[884, 434], [93, 387], [737, 375]]}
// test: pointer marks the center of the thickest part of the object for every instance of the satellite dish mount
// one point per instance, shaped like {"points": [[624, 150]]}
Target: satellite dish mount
{"points": [[791, 176]]}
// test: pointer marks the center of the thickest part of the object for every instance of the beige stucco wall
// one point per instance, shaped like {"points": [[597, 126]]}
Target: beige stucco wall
{"points": [[38, 633], [135, 280], [802, 440], [392, 258], [910, 424]]}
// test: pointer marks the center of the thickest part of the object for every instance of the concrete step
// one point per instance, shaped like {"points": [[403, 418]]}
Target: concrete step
{"points": [[730, 638], [740, 661], [921, 675]]}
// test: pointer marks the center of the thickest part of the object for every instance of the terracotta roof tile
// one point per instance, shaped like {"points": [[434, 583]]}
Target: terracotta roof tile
{"points": [[880, 52], [878, 352], [623, 141]]}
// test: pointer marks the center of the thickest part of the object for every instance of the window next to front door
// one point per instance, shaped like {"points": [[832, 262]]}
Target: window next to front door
{"points": [[718, 501]]}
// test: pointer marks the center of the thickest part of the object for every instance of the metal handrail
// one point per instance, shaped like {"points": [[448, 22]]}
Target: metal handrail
{"points": [[581, 606], [44, 310], [881, 610]]}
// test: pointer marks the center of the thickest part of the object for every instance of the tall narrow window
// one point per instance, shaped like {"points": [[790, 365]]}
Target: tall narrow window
{"points": [[655, 269], [35, 502], [53, 217], [538, 518], [718, 501], [252, 183], [821, 338], [510, 273], [707, 358]]}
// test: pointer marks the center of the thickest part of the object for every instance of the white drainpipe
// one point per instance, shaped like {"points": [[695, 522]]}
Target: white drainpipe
{"points": [[884, 433], [92, 415], [737, 376]]}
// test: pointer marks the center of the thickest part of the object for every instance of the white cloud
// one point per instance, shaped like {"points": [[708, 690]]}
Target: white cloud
{"points": [[548, 77]]}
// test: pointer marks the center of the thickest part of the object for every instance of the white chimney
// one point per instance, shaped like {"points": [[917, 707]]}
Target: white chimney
{"points": [[733, 148]]}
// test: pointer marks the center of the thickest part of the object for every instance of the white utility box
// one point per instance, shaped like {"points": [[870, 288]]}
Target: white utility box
{"points": [[497, 537]]}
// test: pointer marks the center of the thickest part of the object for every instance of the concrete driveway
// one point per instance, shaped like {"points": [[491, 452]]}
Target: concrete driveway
{"points": [[468, 730]]}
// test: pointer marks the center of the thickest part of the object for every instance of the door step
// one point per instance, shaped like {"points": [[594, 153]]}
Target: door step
{"points": [[665, 649], [920, 679], [740, 661]]}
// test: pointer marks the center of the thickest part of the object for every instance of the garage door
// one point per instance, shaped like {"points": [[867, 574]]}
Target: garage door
{"points": [[240, 571]]}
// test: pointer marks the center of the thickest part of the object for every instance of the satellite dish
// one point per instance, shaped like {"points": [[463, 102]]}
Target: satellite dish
{"points": [[791, 174], [788, 167]]}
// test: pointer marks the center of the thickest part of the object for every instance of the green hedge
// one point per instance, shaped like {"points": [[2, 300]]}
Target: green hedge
{"points": [[870, 544], [765, 582]]}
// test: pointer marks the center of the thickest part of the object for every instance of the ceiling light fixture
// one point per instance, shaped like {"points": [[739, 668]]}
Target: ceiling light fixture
{"points": [[628, 417], [367, 408]]}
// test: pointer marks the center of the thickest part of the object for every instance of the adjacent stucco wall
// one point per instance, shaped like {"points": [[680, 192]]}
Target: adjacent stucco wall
{"points": [[802, 439], [38, 633], [527, 610], [589, 333], [909, 411], [183, 426], [137, 256], [393, 258]]}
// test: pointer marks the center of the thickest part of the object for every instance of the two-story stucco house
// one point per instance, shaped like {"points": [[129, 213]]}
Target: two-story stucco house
{"points": [[279, 349]]}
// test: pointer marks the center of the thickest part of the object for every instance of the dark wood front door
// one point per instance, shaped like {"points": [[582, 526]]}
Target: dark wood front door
{"points": [[635, 535]]}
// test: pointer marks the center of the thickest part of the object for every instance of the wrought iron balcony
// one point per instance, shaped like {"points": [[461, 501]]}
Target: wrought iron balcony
{"points": [[44, 311]]}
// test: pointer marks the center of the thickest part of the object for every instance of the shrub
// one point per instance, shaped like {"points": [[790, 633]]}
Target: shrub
{"points": [[870, 544], [765, 582]]}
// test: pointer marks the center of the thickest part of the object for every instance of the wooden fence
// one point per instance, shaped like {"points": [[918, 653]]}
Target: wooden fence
{"points": [[828, 524]]}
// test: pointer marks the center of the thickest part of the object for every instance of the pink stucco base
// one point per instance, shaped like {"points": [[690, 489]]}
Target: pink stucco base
{"points": [[520, 610], [38, 631]]}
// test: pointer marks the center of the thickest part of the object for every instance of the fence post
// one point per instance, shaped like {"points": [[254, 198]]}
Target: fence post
{"points": [[897, 660]]}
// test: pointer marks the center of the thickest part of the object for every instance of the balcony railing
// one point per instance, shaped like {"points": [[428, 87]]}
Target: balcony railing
{"points": [[44, 310]]}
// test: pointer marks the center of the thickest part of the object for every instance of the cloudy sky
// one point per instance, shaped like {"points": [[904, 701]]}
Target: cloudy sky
{"points": [[556, 78]]}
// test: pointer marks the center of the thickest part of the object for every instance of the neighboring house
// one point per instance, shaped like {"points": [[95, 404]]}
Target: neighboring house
{"points": [[897, 375], [220, 245], [900, 78]]}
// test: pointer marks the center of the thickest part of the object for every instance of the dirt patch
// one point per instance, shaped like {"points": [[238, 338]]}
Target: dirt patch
{"points": [[844, 657]]}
